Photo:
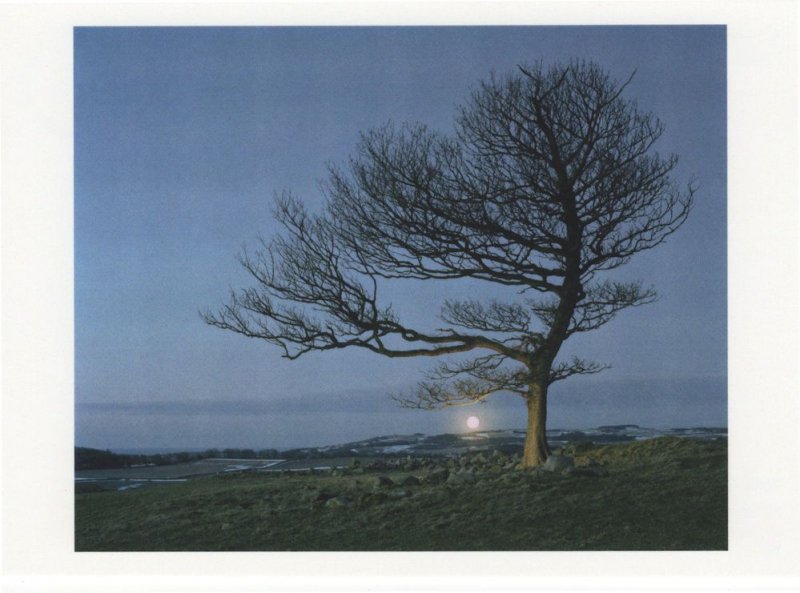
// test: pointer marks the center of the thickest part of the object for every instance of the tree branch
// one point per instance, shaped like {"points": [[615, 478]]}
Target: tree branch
{"points": [[549, 180]]}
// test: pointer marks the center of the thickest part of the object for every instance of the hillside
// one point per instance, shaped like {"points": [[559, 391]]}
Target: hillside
{"points": [[666, 493]]}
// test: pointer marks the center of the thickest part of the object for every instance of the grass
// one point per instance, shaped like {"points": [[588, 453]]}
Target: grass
{"points": [[664, 494]]}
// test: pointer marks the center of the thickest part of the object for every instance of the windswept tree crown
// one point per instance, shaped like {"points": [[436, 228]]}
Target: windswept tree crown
{"points": [[548, 181]]}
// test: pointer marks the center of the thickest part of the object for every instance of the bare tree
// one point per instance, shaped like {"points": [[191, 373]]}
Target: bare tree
{"points": [[548, 182]]}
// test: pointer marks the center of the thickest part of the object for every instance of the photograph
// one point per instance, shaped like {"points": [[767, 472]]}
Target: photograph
{"points": [[401, 288]]}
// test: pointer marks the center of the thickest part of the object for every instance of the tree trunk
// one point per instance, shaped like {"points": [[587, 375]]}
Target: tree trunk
{"points": [[535, 450]]}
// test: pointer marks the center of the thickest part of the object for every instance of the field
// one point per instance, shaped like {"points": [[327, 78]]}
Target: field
{"points": [[662, 494]]}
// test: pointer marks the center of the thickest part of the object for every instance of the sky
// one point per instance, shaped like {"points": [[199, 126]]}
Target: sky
{"points": [[182, 136]]}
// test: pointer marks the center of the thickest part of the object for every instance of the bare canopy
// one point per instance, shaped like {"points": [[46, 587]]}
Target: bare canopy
{"points": [[548, 182]]}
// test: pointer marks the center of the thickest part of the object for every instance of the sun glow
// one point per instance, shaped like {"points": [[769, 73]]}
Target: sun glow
{"points": [[473, 422]]}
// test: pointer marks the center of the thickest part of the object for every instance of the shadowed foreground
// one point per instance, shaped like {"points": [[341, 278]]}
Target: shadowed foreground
{"points": [[662, 494]]}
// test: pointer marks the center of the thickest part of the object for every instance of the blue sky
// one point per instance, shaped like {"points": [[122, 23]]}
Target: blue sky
{"points": [[183, 135]]}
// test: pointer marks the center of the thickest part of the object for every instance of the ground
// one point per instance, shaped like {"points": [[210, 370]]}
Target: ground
{"points": [[662, 494]]}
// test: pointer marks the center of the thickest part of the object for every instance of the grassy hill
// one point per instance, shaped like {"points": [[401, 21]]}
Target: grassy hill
{"points": [[662, 494]]}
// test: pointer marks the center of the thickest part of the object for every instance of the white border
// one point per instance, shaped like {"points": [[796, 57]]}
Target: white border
{"points": [[37, 347]]}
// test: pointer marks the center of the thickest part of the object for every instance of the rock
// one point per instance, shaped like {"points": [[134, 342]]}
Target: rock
{"points": [[315, 495], [557, 463], [324, 495], [462, 477], [437, 476], [586, 462], [378, 482], [537, 472], [338, 502], [499, 457], [399, 493], [382, 482], [510, 478], [372, 498], [574, 447], [410, 481]]}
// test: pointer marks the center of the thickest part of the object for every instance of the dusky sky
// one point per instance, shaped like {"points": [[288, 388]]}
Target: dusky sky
{"points": [[183, 135]]}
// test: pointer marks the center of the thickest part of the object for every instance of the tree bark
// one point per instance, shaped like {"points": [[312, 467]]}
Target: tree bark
{"points": [[536, 450]]}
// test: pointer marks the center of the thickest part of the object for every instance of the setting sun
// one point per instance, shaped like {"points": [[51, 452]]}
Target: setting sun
{"points": [[473, 422]]}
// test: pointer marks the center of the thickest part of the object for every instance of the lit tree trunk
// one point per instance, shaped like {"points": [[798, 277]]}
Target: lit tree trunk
{"points": [[535, 450]]}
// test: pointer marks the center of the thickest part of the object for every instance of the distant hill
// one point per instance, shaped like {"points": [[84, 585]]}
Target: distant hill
{"points": [[506, 441], [88, 458]]}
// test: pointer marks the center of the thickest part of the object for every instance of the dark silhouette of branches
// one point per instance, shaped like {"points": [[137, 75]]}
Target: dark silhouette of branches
{"points": [[549, 181]]}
